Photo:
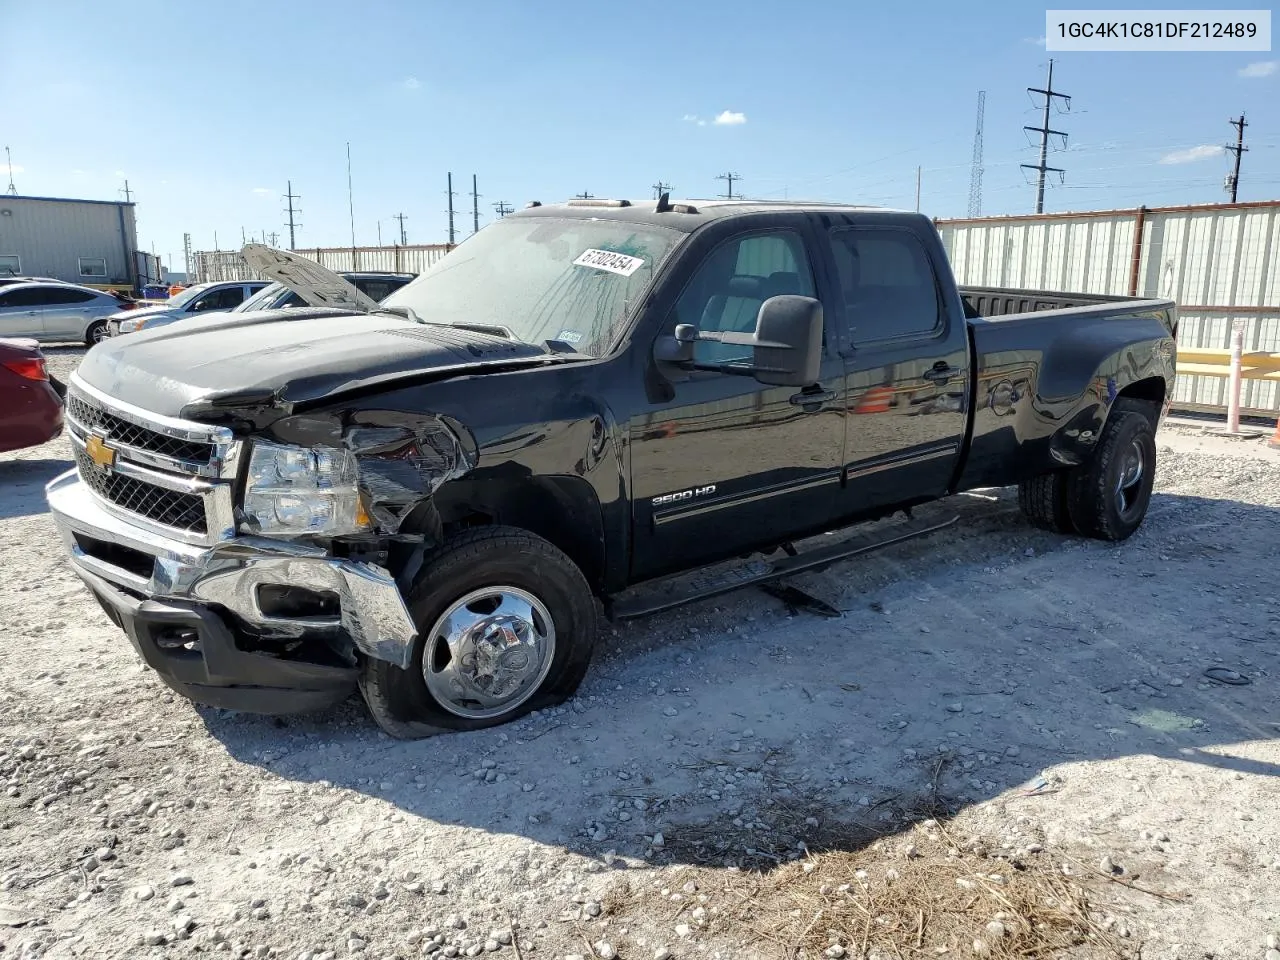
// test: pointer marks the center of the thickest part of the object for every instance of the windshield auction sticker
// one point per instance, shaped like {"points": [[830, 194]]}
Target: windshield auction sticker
{"points": [[619, 263]]}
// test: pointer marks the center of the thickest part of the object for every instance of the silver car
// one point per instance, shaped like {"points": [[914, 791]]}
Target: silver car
{"points": [[202, 298], [55, 312]]}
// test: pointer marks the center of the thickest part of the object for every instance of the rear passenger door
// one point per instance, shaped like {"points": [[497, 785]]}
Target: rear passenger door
{"points": [[906, 366], [65, 315], [20, 312]]}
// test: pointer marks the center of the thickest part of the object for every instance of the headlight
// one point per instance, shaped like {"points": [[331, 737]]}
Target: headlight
{"points": [[132, 326], [293, 491]]}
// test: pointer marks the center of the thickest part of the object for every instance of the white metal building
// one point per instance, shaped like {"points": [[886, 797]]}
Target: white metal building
{"points": [[93, 242]]}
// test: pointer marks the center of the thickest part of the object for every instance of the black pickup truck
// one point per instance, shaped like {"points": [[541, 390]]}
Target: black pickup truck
{"points": [[584, 403]]}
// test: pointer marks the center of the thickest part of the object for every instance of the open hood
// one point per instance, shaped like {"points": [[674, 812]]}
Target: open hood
{"points": [[313, 283]]}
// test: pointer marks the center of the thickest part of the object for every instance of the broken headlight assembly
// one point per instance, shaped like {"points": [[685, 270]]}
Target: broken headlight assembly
{"points": [[298, 491]]}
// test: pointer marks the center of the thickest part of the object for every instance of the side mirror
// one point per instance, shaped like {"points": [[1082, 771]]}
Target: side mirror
{"points": [[788, 341], [786, 346]]}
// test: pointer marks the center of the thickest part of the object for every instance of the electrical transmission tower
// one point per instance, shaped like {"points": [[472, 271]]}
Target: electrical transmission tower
{"points": [[502, 208], [292, 210], [660, 188], [450, 194], [1048, 93], [584, 195], [975, 170], [1233, 179], [275, 237], [729, 177], [475, 206], [128, 194], [401, 218], [11, 188]]}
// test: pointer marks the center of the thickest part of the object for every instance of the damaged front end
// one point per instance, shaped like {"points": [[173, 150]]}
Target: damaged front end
{"points": [[255, 573]]}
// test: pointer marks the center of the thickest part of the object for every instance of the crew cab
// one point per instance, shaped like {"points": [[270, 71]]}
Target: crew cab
{"points": [[580, 405]]}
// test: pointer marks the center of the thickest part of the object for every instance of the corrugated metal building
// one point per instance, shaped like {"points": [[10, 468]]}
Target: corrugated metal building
{"points": [[1218, 262], [93, 242]]}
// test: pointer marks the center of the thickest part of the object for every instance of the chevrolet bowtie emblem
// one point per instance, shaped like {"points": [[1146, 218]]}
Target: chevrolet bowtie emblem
{"points": [[99, 452]]}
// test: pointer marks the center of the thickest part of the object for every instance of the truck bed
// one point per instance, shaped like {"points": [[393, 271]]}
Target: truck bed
{"points": [[1008, 302]]}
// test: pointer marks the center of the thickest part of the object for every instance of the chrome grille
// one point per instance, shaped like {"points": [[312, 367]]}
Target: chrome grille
{"points": [[169, 508], [123, 431], [175, 476]]}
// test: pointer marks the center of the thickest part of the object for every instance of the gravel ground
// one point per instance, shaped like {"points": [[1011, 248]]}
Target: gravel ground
{"points": [[964, 667]]}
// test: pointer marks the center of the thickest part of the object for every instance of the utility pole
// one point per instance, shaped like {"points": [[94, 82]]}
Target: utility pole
{"points": [[975, 168], [291, 196], [660, 188], [128, 194], [502, 208], [1233, 181], [475, 206], [917, 189], [379, 233], [351, 208], [584, 196], [243, 237], [450, 194], [1048, 93], [275, 237], [401, 218], [730, 177], [11, 188]]}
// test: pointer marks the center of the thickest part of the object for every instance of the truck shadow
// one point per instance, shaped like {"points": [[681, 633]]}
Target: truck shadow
{"points": [[964, 665], [22, 485]]}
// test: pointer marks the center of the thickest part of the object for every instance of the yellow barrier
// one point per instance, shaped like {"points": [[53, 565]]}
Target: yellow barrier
{"points": [[1204, 362]]}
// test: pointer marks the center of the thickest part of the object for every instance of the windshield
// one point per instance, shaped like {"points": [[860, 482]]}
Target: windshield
{"points": [[564, 279], [260, 300], [187, 295]]}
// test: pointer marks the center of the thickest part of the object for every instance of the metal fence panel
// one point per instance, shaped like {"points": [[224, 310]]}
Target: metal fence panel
{"points": [[229, 265]]}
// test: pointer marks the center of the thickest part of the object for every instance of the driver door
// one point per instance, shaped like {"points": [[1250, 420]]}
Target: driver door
{"points": [[721, 463]]}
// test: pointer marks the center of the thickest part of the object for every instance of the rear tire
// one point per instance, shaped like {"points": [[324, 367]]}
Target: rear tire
{"points": [[1108, 496], [506, 625], [1043, 500], [96, 333]]}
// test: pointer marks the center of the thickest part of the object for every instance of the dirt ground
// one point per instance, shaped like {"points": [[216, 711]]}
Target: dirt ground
{"points": [[732, 777]]}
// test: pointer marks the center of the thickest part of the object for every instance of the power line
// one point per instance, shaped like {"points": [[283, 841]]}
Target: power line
{"points": [[660, 188], [475, 206], [1233, 179], [292, 210], [730, 177], [401, 218], [450, 194], [502, 208], [975, 171], [1048, 93]]}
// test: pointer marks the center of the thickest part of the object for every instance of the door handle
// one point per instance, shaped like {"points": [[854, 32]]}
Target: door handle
{"points": [[940, 372], [812, 401]]}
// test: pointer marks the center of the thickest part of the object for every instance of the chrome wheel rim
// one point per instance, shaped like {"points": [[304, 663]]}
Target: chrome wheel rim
{"points": [[1129, 478], [489, 652]]}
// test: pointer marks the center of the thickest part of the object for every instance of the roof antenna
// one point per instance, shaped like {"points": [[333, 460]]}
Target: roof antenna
{"points": [[664, 203]]}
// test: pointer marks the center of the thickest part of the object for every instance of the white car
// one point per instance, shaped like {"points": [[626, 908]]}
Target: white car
{"points": [[57, 312], [202, 298]]}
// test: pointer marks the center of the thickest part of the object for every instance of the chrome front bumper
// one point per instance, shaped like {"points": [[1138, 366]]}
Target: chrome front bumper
{"points": [[228, 574]]}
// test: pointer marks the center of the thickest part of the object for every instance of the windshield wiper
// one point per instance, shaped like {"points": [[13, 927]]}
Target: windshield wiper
{"points": [[493, 329]]}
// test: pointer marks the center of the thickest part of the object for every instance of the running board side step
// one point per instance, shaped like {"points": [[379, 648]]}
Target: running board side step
{"points": [[668, 592]]}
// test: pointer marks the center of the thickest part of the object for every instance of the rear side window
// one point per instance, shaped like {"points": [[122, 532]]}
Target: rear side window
{"points": [[55, 296], [886, 283], [25, 297]]}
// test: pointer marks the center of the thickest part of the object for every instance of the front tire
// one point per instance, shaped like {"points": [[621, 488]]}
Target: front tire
{"points": [[506, 625], [96, 333], [1108, 496]]}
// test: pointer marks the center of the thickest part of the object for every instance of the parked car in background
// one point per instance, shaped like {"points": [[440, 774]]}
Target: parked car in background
{"points": [[279, 296], [202, 298], [55, 311], [30, 406]]}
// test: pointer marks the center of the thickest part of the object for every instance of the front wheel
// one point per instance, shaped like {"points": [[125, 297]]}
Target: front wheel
{"points": [[96, 333], [1108, 496], [506, 625]]}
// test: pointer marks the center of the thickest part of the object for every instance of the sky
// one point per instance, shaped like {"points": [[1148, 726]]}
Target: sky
{"points": [[209, 110]]}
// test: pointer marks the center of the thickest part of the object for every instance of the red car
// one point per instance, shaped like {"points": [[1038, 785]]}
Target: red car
{"points": [[30, 404]]}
